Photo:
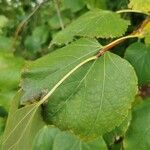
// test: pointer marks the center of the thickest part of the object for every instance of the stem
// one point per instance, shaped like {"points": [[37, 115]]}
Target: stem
{"points": [[22, 23], [114, 43], [131, 11], [64, 78], [59, 14]]}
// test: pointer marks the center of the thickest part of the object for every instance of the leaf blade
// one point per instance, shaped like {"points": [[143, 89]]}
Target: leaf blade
{"points": [[95, 23], [77, 106]]}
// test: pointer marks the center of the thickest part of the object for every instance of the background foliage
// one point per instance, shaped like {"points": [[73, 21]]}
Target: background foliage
{"points": [[41, 41]]}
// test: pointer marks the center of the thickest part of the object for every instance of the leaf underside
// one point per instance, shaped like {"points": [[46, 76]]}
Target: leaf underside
{"points": [[22, 126]]}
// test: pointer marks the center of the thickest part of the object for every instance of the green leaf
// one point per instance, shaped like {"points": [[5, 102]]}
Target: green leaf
{"points": [[6, 98], [41, 75], [95, 23], [54, 22], [38, 37], [3, 21], [10, 74], [94, 99], [6, 44], [92, 4], [137, 136], [146, 32], [143, 5], [50, 138], [138, 55], [10, 67], [2, 125], [118, 132], [22, 126], [74, 5]]}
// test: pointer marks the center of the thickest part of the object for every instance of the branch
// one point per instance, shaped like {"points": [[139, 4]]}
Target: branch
{"points": [[135, 34], [22, 23], [132, 11], [114, 43], [59, 14]]}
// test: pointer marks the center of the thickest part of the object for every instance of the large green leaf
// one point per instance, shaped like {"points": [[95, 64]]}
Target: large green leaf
{"points": [[22, 126], [137, 136], [94, 99], [96, 23], [50, 138], [143, 5], [138, 55], [41, 75]]}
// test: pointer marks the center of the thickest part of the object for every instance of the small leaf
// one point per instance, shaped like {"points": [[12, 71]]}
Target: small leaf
{"points": [[94, 99], [38, 37], [22, 126], [10, 67], [6, 44], [138, 55], [50, 138], [44, 73], [138, 134], [3, 21], [96, 23], [143, 5], [74, 5], [92, 4]]}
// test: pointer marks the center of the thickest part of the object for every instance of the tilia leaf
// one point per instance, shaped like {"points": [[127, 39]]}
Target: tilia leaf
{"points": [[138, 54], [41, 75], [50, 138], [97, 93], [143, 5], [96, 23]]}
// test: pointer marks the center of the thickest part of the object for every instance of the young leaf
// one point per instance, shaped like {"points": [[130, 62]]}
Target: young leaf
{"points": [[138, 55], [44, 73], [50, 138], [143, 5], [22, 126], [94, 99], [137, 136], [96, 23]]}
